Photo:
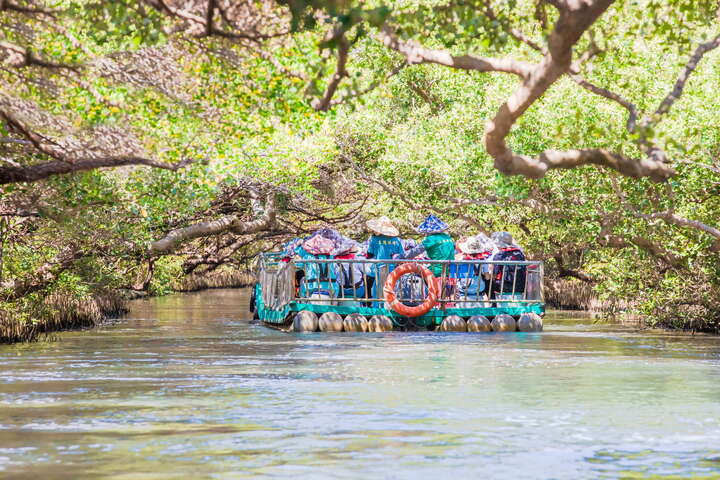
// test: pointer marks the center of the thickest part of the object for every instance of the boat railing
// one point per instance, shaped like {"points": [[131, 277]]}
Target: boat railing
{"points": [[359, 282]]}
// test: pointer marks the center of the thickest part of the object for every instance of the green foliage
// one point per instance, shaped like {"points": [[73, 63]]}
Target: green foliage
{"points": [[167, 271]]}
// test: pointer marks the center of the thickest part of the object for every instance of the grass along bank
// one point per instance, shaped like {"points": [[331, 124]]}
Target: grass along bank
{"points": [[28, 319], [58, 311]]}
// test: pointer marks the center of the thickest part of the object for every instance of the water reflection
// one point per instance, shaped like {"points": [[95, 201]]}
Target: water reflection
{"points": [[186, 388]]}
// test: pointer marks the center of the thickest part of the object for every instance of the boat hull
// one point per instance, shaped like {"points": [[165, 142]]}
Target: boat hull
{"points": [[284, 316]]}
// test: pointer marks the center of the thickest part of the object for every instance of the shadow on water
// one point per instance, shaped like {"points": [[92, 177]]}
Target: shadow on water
{"points": [[185, 387]]}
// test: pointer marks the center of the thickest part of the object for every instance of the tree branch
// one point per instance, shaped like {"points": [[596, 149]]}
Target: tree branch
{"points": [[323, 104], [62, 163], [38, 141], [231, 246], [664, 106], [513, 32], [668, 216], [607, 239], [603, 92], [690, 67], [575, 18], [568, 272], [33, 173], [397, 194], [712, 168], [8, 5], [209, 17], [19, 213], [20, 57], [208, 26], [228, 223], [426, 96], [369, 88], [674, 219], [417, 54]]}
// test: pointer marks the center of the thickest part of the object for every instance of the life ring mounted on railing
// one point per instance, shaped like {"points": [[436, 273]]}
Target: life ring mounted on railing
{"points": [[397, 305]]}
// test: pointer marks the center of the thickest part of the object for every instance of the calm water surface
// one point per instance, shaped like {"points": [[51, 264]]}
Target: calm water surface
{"points": [[184, 387]]}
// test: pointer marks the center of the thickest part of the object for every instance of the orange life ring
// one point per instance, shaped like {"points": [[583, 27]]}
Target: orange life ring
{"points": [[397, 305]]}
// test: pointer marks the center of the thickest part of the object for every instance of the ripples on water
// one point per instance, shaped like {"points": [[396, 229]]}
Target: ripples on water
{"points": [[186, 388]]}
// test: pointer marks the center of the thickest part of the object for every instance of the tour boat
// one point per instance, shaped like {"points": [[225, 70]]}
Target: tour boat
{"points": [[334, 295]]}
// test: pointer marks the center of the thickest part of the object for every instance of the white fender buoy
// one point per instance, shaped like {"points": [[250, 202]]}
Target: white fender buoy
{"points": [[330, 322], [503, 323], [538, 322], [453, 323], [380, 323], [305, 321], [530, 322], [478, 323], [355, 323]]}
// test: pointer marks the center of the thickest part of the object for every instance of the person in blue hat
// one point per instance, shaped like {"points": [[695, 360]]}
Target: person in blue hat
{"points": [[437, 244]]}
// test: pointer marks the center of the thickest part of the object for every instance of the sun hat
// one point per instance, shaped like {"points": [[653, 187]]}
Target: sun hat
{"points": [[489, 243], [345, 247], [475, 244], [383, 226], [290, 246], [331, 234], [503, 240], [432, 224], [318, 245]]}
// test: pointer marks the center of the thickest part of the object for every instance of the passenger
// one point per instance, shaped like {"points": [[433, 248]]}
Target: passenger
{"points": [[508, 281], [411, 288], [320, 280], [293, 250], [367, 279], [331, 234], [471, 285], [384, 244], [351, 276], [438, 245], [408, 244]]}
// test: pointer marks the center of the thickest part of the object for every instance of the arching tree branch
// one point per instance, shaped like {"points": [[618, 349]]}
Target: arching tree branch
{"points": [[62, 163], [33, 173], [415, 54], [606, 238], [575, 18], [228, 223], [564, 271]]}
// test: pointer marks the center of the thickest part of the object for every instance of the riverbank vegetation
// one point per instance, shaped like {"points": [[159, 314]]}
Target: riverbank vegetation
{"points": [[148, 145]]}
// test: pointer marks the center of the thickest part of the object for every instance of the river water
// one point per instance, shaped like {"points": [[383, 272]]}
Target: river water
{"points": [[184, 387]]}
